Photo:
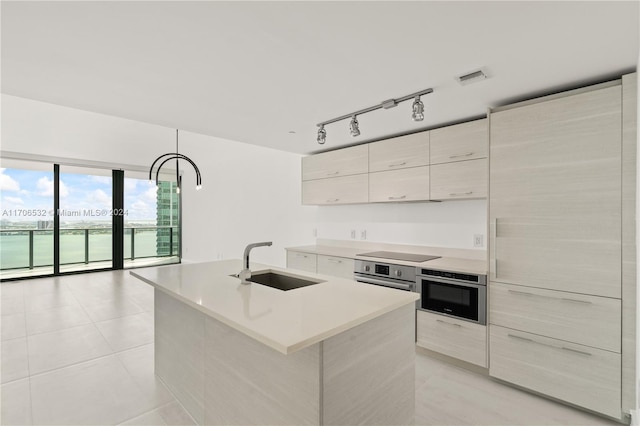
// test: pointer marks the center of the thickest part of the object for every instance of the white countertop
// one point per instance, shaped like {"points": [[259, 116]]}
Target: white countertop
{"points": [[453, 264], [286, 321]]}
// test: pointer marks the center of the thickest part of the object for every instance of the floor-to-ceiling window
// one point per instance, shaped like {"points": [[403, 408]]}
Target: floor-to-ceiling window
{"points": [[88, 239], [85, 214], [26, 218], [152, 220]]}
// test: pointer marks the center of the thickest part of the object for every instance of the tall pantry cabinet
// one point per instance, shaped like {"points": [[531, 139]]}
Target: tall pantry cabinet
{"points": [[562, 301]]}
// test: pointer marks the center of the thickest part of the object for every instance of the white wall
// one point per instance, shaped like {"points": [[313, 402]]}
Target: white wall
{"points": [[249, 193], [445, 224]]}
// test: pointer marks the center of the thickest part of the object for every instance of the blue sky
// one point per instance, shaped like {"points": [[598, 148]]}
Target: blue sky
{"points": [[30, 189]]}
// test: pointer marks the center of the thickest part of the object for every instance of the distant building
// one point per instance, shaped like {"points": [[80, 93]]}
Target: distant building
{"points": [[45, 224], [167, 215]]}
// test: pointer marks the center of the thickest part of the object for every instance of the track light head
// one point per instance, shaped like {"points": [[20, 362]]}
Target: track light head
{"points": [[418, 109], [322, 135], [198, 187], [354, 127]]}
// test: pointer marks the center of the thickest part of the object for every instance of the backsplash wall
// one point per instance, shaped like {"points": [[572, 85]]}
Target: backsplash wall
{"points": [[445, 224]]}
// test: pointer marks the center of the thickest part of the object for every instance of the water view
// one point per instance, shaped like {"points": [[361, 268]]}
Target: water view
{"points": [[26, 218]]}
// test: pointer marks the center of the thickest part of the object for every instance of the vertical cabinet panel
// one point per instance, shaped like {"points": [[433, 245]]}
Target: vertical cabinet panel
{"points": [[555, 183], [555, 216]]}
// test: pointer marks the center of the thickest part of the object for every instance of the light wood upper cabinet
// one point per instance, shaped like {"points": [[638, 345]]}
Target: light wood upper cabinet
{"points": [[399, 185], [459, 180], [399, 153], [341, 162], [465, 141], [340, 190]]}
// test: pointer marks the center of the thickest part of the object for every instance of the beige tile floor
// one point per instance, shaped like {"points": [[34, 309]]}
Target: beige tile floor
{"points": [[78, 350]]}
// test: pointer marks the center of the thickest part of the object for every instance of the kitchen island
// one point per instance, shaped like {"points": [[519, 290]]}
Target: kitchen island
{"points": [[335, 352]]}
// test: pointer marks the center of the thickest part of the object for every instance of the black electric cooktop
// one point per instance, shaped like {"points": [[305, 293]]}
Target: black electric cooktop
{"points": [[409, 257]]}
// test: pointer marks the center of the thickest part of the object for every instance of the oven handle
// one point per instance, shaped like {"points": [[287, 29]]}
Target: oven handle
{"points": [[385, 283], [446, 281]]}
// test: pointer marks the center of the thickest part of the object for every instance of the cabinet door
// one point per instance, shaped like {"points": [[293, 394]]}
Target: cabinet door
{"points": [[399, 185], [301, 261], [341, 162], [460, 180], [341, 190], [336, 266], [459, 339], [581, 375], [578, 318], [460, 142], [555, 180], [399, 153]]}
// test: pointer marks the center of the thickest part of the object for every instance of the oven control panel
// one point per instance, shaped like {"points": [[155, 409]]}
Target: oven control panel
{"points": [[385, 270]]}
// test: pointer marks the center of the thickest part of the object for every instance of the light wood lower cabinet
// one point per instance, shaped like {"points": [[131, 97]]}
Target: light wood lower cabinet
{"points": [[459, 180], [577, 374], [336, 266], [301, 261], [339, 190], [399, 185], [578, 318], [459, 339]]}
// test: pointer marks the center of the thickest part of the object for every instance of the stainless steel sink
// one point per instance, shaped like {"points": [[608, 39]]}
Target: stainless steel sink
{"points": [[281, 281]]}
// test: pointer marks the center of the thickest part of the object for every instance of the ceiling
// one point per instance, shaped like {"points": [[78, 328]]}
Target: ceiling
{"points": [[256, 71]]}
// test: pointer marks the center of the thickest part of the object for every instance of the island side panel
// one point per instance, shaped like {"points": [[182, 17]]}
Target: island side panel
{"points": [[369, 372], [179, 352], [249, 383]]}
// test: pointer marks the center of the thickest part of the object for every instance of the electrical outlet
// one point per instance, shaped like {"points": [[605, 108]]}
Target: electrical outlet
{"points": [[478, 240], [363, 234], [353, 234], [219, 256]]}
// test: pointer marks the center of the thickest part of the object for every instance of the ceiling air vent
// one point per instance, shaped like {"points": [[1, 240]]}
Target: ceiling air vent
{"points": [[471, 77]]}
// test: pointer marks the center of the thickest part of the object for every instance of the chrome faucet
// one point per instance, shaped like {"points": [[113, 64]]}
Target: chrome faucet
{"points": [[245, 274]]}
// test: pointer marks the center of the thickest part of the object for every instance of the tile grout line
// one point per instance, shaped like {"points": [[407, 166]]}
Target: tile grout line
{"points": [[26, 340]]}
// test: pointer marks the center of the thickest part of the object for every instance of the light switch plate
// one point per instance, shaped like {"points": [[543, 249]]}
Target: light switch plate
{"points": [[353, 234], [363, 234]]}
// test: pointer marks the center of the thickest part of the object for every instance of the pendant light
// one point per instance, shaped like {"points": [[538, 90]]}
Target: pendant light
{"points": [[175, 156]]}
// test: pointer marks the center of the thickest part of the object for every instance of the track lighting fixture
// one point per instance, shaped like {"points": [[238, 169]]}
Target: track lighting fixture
{"points": [[175, 156], [418, 109], [354, 127], [322, 135]]}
